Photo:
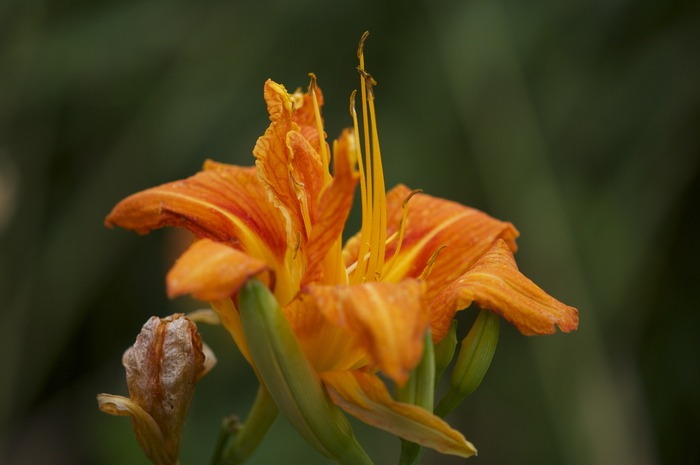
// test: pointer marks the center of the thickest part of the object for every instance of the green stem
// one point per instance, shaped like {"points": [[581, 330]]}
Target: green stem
{"points": [[411, 453], [420, 391], [449, 402], [247, 437], [228, 427]]}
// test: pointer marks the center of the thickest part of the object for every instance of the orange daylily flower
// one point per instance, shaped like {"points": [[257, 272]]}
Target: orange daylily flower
{"points": [[358, 309]]}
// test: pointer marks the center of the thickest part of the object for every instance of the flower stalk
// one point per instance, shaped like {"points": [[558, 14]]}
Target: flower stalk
{"points": [[237, 442], [418, 391]]}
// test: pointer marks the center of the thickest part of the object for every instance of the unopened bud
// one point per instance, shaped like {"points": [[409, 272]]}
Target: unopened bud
{"points": [[419, 391], [291, 380], [162, 368], [420, 388], [473, 361], [445, 351]]}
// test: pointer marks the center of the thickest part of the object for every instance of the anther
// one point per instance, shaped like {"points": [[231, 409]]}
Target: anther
{"points": [[362, 44], [408, 197], [431, 262], [312, 83], [368, 77], [352, 103]]}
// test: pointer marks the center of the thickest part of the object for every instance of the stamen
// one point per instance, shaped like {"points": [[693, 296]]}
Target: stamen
{"points": [[360, 48], [400, 231], [366, 206], [372, 248], [379, 208], [353, 265], [323, 152], [370, 81], [431, 262], [366, 177]]}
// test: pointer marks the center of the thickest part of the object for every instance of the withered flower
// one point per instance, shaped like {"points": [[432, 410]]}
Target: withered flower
{"points": [[162, 367]]}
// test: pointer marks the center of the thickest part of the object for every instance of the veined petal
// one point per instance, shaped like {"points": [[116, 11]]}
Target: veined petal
{"points": [[210, 270], [465, 233], [288, 166], [323, 249], [387, 320], [327, 345], [495, 283], [364, 396], [306, 170], [225, 203]]}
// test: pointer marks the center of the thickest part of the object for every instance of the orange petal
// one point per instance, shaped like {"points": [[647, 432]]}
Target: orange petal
{"points": [[327, 346], [287, 164], [388, 321], [211, 271], [324, 263], [307, 171], [495, 283], [364, 396], [305, 116], [224, 203], [464, 232], [232, 322]]}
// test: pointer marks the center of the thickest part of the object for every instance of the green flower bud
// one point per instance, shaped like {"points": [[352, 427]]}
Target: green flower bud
{"points": [[420, 388], [473, 361], [291, 380], [445, 351], [420, 391]]}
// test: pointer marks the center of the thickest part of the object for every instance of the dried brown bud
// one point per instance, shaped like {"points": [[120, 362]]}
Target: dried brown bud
{"points": [[161, 370]]}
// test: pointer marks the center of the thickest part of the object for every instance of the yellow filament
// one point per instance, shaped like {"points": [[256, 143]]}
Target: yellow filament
{"points": [[400, 232], [378, 238], [389, 240], [372, 247], [431, 262], [323, 152], [366, 177], [366, 210]]}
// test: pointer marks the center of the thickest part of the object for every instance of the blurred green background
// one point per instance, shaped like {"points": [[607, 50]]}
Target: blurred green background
{"points": [[577, 121]]}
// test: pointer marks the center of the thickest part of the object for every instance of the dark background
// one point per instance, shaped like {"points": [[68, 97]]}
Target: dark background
{"points": [[577, 121]]}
